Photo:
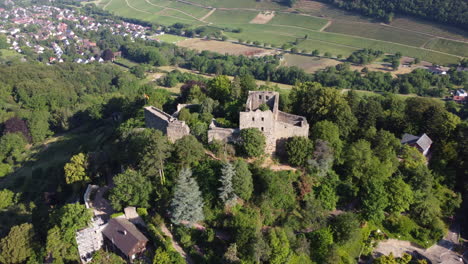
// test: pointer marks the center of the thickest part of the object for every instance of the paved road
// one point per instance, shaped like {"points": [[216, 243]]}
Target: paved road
{"points": [[442, 252]]}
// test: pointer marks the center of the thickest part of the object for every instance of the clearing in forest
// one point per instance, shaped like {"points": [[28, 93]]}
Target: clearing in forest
{"points": [[263, 17]]}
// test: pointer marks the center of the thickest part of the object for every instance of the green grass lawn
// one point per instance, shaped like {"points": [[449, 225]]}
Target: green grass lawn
{"points": [[448, 46], [298, 21]]}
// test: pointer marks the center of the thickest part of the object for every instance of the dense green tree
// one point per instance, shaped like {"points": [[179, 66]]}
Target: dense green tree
{"points": [[154, 155], [187, 203], [279, 244], [242, 181], [321, 242], [318, 103], [219, 88], [328, 131], [400, 195], [12, 147], [299, 150], [18, 245], [61, 241], [75, 170], [188, 151], [38, 125], [374, 200], [105, 257], [6, 198], [231, 254], [252, 142], [131, 189], [345, 227], [226, 191], [326, 193]]}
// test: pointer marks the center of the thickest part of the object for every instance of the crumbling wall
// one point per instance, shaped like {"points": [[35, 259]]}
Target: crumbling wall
{"points": [[169, 125], [257, 98], [223, 134]]}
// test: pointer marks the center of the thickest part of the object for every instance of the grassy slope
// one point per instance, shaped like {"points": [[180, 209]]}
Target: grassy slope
{"points": [[445, 45], [379, 32], [298, 21]]}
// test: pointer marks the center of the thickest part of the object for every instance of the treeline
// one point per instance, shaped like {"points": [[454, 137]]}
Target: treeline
{"points": [[445, 11], [364, 56]]}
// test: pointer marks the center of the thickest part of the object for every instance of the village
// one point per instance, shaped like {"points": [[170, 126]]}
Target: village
{"points": [[57, 34]]}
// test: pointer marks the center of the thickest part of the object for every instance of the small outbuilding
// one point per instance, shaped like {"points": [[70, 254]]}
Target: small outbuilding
{"points": [[124, 238], [422, 143]]}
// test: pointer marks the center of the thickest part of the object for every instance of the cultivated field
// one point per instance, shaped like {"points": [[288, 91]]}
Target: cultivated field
{"points": [[328, 29], [308, 64], [378, 32], [300, 21], [449, 46], [223, 47]]}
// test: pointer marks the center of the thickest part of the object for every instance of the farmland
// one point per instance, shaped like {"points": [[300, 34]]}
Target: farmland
{"points": [[327, 29], [223, 47]]}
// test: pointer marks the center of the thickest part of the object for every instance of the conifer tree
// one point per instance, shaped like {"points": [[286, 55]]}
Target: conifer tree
{"points": [[187, 204], [227, 194], [155, 154]]}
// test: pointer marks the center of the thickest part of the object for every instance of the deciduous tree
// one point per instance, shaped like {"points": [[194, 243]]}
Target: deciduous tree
{"points": [[18, 245], [75, 170], [131, 189], [252, 142], [299, 150]]}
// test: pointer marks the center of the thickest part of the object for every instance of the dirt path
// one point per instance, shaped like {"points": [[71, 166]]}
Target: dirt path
{"points": [[327, 25], [175, 245], [207, 15]]}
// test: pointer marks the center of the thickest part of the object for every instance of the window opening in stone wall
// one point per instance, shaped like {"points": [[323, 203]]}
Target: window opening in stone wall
{"points": [[266, 97], [259, 97], [263, 119], [253, 118], [262, 128]]}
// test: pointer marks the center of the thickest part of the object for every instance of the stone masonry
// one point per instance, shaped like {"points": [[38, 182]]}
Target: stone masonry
{"points": [[277, 126], [169, 125]]}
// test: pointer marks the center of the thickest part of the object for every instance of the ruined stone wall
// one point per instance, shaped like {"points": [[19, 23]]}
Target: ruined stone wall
{"points": [[223, 134], [291, 128], [264, 121], [170, 126], [257, 98], [277, 126]]}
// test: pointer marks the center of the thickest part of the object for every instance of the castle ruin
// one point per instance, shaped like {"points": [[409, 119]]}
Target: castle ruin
{"points": [[277, 126], [169, 125]]}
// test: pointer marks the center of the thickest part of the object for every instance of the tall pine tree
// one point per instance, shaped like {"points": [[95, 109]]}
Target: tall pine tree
{"points": [[187, 204], [157, 150], [227, 194]]}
